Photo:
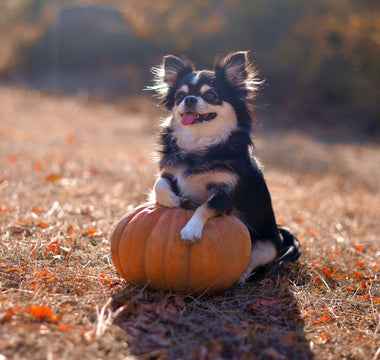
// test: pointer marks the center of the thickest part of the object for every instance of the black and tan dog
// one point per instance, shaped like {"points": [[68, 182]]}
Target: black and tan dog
{"points": [[206, 156]]}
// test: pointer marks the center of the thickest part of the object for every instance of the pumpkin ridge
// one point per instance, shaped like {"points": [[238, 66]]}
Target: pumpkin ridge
{"points": [[159, 213], [164, 260], [135, 229], [189, 251], [219, 242], [147, 241]]}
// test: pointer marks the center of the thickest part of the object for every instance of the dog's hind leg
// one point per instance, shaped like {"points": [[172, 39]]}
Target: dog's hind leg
{"points": [[263, 252]]}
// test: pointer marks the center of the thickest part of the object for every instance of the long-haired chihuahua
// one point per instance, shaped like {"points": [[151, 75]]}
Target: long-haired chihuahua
{"points": [[206, 157]]}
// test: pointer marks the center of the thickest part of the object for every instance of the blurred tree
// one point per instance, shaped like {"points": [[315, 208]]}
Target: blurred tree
{"points": [[314, 53]]}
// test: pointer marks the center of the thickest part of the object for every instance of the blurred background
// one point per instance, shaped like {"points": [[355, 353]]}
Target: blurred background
{"points": [[320, 59]]}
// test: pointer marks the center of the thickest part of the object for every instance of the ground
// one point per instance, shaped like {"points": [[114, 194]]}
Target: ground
{"points": [[69, 169]]}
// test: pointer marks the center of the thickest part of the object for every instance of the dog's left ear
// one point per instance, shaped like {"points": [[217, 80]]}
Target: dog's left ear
{"points": [[238, 71]]}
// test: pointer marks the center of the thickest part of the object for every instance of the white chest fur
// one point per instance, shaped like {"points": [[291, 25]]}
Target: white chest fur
{"points": [[196, 187]]}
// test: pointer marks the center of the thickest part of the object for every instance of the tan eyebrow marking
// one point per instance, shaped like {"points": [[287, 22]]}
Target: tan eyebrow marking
{"points": [[205, 88], [184, 88]]}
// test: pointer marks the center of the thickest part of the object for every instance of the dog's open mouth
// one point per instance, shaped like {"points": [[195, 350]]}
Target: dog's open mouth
{"points": [[189, 118]]}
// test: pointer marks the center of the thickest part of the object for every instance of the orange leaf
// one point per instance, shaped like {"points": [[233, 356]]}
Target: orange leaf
{"points": [[7, 316], [363, 284], [325, 318], [326, 271], [358, 247], [300, 219], [43, 223], [37, 165], [360, 263], [64, 327], [52, 177], [12, 158], [91, 231], [70, 138], [313, 232], [375, 265], [42, 313]]}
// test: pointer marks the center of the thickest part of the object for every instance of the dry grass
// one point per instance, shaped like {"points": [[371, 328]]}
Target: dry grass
{"points": [[70, 169]]}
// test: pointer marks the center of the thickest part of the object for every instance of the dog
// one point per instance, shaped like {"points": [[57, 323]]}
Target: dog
{"points": [[206, 158]]}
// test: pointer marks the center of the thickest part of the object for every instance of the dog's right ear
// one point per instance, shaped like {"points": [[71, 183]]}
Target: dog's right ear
{"points": [[175, 68]]}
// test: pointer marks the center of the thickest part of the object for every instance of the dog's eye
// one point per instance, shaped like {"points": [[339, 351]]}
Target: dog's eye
{"points": [[210, 96], [179, 97]]}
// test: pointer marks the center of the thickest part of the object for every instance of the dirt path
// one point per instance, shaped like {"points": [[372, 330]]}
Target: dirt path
{"points": [[69, 169]]}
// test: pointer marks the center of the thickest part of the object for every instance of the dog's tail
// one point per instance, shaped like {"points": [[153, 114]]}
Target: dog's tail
{"points": [[291, 247]]}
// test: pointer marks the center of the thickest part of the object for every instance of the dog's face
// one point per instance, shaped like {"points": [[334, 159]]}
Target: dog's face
{"points": [[208, 103]]}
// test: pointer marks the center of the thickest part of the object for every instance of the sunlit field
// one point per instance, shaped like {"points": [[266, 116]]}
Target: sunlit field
{"points": [[69, 169]]}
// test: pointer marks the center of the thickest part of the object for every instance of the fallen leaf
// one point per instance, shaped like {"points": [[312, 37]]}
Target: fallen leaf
{"points": [[325, 318], [37, 165], [91, 231], [166, 310], [258, 304], [52, 177], [322, 338], [326, 271], [43, 313], [273, 354], [179, 301], [64, 327], [12, 158], [358, 247], [5, 317], [288, 339], [70, 229], [70, 138]]}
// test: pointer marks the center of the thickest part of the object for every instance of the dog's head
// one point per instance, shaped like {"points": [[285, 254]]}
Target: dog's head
{"points": [[208, 102]]}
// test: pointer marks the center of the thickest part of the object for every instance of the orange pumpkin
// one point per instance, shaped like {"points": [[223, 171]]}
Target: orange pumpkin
{"points": [[147, 250]]}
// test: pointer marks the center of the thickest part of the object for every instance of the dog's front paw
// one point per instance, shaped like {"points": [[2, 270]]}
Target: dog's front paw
{"points": [[192, 232]]}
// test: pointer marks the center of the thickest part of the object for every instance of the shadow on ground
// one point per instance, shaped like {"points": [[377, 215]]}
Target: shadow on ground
{"points": [[260, 320]]}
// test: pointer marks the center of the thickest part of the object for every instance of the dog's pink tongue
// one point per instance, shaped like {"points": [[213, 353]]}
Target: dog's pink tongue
{"points": [[188, 118]]}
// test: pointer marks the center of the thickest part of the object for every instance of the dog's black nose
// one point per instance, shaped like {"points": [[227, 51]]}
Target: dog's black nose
{"points": [[190, 100]]}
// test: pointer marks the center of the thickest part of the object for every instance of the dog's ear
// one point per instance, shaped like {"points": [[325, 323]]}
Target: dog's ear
{"points": [[238, 71], [175, 68], [166, 77]]}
